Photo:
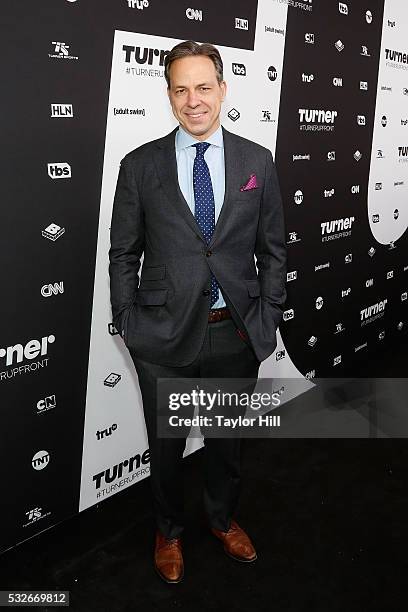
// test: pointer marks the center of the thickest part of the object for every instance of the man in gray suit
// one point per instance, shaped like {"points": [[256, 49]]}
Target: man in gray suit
{"points": [[198, 203]]}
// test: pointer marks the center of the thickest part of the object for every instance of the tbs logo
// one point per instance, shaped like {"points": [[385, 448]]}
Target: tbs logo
{"points": [[60, 170], [238, 69]]}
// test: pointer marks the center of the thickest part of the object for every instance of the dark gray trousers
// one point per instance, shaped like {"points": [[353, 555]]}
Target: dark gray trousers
{"points": [[223, 355]]}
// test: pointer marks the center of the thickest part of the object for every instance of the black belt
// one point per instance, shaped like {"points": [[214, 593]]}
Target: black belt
{"points": [[218, 314]]}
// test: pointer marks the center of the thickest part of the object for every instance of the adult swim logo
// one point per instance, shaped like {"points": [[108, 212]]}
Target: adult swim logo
{"points": [[337, 228], [396, 59], [373, 312], [148, 56], [316, 120], [122, 474], [15, 354], [61, 51]]}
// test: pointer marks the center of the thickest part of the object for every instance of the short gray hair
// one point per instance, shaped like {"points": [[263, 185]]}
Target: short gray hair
{"points": [[189, 48]]}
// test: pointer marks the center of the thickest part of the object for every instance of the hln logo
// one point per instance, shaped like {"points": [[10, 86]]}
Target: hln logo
{"points": [[62, 110], [241, 24], [196, 14], [52, 289]]}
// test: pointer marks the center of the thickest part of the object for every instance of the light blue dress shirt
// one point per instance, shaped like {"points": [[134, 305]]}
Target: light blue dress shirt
{"points": [[214, 156]]}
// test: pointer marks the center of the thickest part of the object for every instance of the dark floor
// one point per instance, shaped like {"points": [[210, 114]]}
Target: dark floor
{"points": [[328, 518]]}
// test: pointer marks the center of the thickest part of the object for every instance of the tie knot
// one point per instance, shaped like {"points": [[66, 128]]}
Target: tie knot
{"points": [[201, 148]]}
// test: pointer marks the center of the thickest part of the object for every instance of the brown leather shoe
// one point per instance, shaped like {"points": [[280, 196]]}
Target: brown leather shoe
{"points": [[168, 558], [236, 543]]}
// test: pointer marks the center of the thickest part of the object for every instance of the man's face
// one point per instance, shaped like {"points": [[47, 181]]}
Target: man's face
{"points": [[195, 95]]}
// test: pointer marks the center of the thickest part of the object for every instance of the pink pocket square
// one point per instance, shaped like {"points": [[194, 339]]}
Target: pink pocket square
{"points": [[251, 184]]}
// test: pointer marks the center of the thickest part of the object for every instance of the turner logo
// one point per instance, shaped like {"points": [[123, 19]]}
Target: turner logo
{"points": [[52, 289], [396, 57], [59, 170], [403, 154], [317, 119], [17, 353], [144, 55], [40, 460], [238, 69], [62, 110], [338, 228], [373, 312], [196, 14], [127, 467]]}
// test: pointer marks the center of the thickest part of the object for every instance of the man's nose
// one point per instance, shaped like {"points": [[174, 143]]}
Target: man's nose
{"points": [[192, 99]]}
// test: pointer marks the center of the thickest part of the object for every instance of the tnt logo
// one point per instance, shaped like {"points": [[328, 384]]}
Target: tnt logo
{"points": [[241, 24], [194, 14], [40, 460], [45, 404], [59, 170], [238, 69]]}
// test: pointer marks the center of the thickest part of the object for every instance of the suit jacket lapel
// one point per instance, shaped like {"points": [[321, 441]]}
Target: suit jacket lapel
{"points": [[166, 166]]}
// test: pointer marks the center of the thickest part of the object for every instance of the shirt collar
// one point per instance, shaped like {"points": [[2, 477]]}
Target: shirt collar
{"points": [[184, 139]]}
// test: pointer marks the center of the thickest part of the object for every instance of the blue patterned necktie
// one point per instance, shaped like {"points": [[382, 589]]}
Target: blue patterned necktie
{"points": [[204, 202]]}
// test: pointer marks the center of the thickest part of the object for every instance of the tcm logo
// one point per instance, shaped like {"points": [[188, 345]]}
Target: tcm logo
{"points": [[194, 14], [343, 8], [59, 170], [31, 350], [355, 189], [40, 460], [238, 69], [338, 81], [144, 55], [127, 466], [241, 24], [100, 434], [52, 289], [47, 403], [138, 4], [328, 193], [62, 110], [307, 78], [374, 311]]}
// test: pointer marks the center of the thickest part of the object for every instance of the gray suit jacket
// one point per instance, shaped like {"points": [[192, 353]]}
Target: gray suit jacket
{"points": [[164, 317]]}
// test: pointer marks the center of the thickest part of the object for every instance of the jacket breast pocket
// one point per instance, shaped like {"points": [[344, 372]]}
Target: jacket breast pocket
{"points": [[151, 297]]}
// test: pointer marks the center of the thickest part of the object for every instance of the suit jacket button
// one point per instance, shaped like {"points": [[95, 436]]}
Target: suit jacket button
{"points": [[208, 253], [206, 292]]}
